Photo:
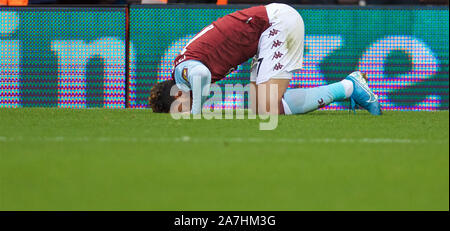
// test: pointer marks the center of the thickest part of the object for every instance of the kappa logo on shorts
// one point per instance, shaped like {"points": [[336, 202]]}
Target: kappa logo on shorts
{"points": [[184, 74], [278, 66], [273, 32], [277, 55], [276, 44]]}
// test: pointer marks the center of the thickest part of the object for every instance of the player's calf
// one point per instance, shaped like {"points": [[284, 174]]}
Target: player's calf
{"points": [[354, 86]]}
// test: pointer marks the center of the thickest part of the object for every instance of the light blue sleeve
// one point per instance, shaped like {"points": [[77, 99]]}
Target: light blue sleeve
{"points": [[200, 79]]}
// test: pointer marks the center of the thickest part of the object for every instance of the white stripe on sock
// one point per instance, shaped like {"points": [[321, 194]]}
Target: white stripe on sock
{"points": [[287, 110]]}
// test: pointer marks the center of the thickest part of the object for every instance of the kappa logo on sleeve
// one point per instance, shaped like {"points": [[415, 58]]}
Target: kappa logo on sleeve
{"points": [[184, 74]]}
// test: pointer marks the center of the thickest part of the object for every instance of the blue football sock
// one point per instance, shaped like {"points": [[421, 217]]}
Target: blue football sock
{"points": [[303, 100]]}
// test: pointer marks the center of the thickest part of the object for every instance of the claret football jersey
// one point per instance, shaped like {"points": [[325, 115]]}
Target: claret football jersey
{"points": [[227, 42]]}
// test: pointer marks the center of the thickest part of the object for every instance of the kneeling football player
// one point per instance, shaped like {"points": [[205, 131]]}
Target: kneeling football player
{"points": [[274, 36]]}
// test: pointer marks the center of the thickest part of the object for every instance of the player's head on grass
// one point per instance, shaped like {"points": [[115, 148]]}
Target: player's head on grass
{"points": [[160, 99]]}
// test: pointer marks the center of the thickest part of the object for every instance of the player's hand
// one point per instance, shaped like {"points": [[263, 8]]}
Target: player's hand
{"points": [[254, 62]]}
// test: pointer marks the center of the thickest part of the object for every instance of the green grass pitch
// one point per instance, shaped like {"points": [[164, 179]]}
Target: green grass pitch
{"points": [[99, 159]]}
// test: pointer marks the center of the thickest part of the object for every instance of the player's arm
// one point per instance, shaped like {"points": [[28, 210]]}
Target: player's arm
{"points": [[200, 80]]}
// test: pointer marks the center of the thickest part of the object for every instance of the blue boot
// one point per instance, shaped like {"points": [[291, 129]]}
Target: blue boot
{"points": [[362, 95]]}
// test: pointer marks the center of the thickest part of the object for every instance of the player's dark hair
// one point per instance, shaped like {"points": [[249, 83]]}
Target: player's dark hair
{"points": [[160, 98]]}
